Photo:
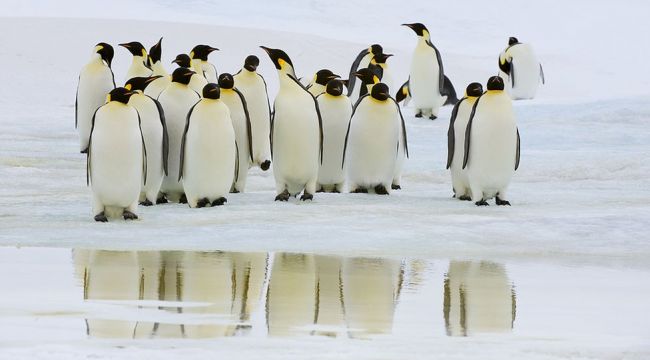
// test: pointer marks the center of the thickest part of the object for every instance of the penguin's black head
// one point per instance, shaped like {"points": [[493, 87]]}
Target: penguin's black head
{"points": [[381, 58], [119, 94], [251, 63], [155, 53], [201, 52], [419, 28], [139, 83], [324, 76], [280, 58], [226, 81], [474, 89], [135, 48], [334, 87], [182, 75], [368, 75], [211, 91], [182, 60], [375, 49], [512, 41], [495, 83], [106, 52], [380, 92]]}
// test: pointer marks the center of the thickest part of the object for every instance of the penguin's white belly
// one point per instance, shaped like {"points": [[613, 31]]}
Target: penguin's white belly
{"points": [[137, 69], [372, 144], [157, 86], [424, 80], [95, 82], [336, 112], [152, 131], [210, 72], [116, 156], [253, 89], [458, 174], [176, 101], [316, 89], [526, 72], [238, 116]]}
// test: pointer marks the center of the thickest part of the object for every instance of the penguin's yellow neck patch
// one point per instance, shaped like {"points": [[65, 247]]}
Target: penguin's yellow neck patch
{"points": [[128, 87], [494, 92], [282, 64], [375, 79], [108, 98], [192, 55], [144, 53]]}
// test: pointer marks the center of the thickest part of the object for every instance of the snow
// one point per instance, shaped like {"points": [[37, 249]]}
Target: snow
{"points": [[580, 198]]}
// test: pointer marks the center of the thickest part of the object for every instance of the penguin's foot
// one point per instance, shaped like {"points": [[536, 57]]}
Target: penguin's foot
{"points": [[502, 202], [220, 201], [335, 191], [418, 114], [127, 215], [482, 203], [202, 203], [234, 191], [146, 202], [321, 190], [465, 198], [283, 196], [381, 190], [359, 191], [162, 200], [307, 196], [395, 187], [101, 217], [432, 117], [265, 165], [183, 199]]}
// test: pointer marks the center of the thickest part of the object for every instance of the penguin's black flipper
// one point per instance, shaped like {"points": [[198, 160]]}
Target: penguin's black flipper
{"points": [[403, 92], [518, 151], [451, 135], [347, 134], [404, 137], [541, 74], [441, 70], [449, 91], [468, 131], [144, 149], [90, 139], [355, 66], [512, 75], [182, 154], [249, 130], [271, 132], [165, 144], [236, 178], [76, 105]]}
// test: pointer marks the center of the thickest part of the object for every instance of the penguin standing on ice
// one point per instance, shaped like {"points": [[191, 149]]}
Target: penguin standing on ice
{"points": [[197, 82], [208, 151], [456, 140], [320, 80], [200, 64], [336, 110], [139, 66], [372, 142], [518, 63], [253, 87], [241, 123], [156, 139], [296, 133], [116, 161], [362, 61], [176, 100], [95, 81], [427, 84], [492, 145], [157, 86]]}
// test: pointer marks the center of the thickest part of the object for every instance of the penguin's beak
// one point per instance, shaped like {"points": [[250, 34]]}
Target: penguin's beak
{"points": [[388, 55], [176, 61], [152, 78], [250, 67], [125, 45], [211, 49], [267, 50]]}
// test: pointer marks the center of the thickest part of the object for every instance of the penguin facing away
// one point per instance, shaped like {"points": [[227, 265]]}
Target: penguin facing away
{"points": [[197, 82], [96, 80], [456, 140], [362, 61], [296, 133], [176, 100], [518, 63], [208, 151], [139, 66], [116, 162], [320, 80], [336, 111], [252, 85], [154, 88], [492, 145], [372, 141], [156, 139], [241, 123], [200, 64]]}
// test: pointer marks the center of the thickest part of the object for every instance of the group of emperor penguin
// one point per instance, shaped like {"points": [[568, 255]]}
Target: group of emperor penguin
{"points": [[191, 136]]}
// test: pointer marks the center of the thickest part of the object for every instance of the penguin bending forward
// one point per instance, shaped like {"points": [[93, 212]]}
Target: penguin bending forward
{"points": [[157, 86], [320, 80], [519, 64]]}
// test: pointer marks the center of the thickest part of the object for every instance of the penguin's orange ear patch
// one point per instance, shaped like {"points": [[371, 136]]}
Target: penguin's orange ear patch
{"points": [[108, 98], [282, 63], [128, 87]]}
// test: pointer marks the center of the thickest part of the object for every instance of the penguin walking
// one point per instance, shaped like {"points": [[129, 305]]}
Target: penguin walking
{"points": [[319, 81], [96, 80], [492, 145], [252, 85], [197, 82], [372, 142], [208, 151], [156, 139], [200, 64], [427, 84], [157, 86], [518, 63], [336, 111], [456, 140], [362, 61], [116, 162], [296, 133], [139, 66], [241, 123], [176, 100]]}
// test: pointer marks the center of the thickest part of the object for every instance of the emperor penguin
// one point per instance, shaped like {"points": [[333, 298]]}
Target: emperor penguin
{"points": [[296, 133], [456, 140], [156, 139], [139, 66], [518, 63], [320, 80], [176, 100], [372, 142], [157, 86], [362, 61], [492, 145], [241, 122], [200, 64], [368, 77], [427, 83], [380, 61], [197, 82], [252, 85], [208, 151], [336, 110], [403, 94], [116, 162], [96, 80]]}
